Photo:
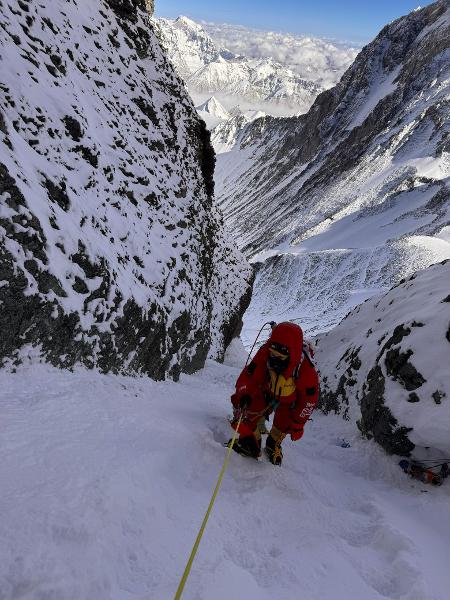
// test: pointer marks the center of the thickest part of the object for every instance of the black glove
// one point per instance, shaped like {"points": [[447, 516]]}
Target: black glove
{"points": [[245, 402]]}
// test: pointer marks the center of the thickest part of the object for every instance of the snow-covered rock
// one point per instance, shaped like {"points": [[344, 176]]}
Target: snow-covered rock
{"points": [[341, 203], [386, 365], [253, 83], [112, 253], [225, 133]]}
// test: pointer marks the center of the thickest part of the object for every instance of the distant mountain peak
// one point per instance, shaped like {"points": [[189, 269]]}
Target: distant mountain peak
{"points": [[188, 23], [210, 69], [213, 112], [214, 107]]}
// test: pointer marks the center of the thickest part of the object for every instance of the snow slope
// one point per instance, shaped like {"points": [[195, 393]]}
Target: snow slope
{"points": [[341, 203], [105, 481]]}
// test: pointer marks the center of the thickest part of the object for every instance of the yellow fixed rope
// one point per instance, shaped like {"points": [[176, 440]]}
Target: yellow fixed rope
{"points": [[187, 570]]}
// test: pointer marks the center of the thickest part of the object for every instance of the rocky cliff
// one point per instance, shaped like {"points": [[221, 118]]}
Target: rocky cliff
{"points": [[112, 254]]}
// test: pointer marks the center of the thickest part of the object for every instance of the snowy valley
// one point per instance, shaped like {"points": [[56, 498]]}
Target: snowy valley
{"points": [[339, 204], [125, 281]]}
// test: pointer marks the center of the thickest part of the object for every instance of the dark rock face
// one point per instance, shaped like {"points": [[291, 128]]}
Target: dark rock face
{"points": [[73, 128], [438, 396], [399, 368], [333, 401], [413, 397], [377, 420], [127, 9], [397, 336], [337, 400], [111, 255], [206, 155]]}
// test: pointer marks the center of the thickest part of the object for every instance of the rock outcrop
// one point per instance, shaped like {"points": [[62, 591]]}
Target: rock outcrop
{"points": [[386, 365], [112, 254]]}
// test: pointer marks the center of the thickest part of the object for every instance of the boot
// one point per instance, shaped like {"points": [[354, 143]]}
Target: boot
{"points": [[247, 446], [273, 446]]}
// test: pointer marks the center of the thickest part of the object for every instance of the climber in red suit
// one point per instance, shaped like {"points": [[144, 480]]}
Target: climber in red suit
{"points": [[282, 379]]}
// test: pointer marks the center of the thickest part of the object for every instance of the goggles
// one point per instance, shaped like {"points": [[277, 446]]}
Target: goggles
{"points": [[278, 350]]}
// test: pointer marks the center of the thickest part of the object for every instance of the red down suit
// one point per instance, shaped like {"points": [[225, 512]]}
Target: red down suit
{"points": [[292, 394]]}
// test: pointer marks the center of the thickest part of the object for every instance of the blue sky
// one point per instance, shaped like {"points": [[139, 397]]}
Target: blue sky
{"points": [[358, 20]]}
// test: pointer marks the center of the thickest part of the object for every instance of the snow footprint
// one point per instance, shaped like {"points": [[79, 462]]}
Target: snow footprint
{"points": [[382, 555]]}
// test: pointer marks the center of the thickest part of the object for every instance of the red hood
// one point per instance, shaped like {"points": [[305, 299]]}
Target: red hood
{"points": [[290, 335]]}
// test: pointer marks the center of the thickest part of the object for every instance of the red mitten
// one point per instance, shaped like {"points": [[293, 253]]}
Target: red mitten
{"points": [[235, 400]]}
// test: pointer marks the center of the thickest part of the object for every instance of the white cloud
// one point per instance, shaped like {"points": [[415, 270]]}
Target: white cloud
{"points": [[315, 59]]}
